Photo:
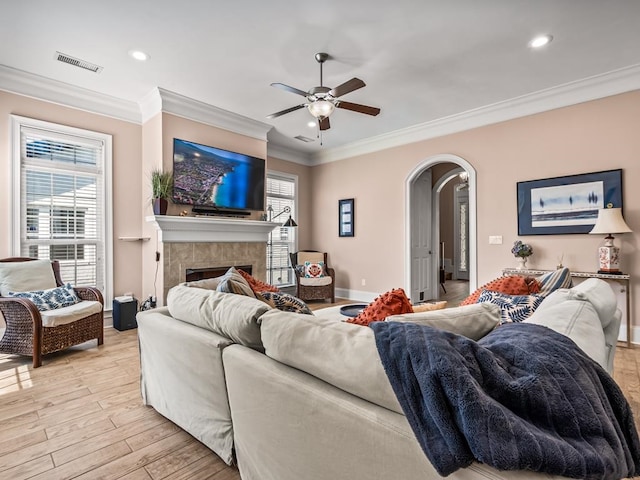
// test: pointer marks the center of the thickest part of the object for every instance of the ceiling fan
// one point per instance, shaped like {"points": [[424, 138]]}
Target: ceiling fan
{"points": [[321, 101]]}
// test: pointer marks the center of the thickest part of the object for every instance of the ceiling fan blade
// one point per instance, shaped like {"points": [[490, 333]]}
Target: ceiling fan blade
{"points": [[324, 124], [356, 107], [288, 110], [287, 88], [347, 87]]}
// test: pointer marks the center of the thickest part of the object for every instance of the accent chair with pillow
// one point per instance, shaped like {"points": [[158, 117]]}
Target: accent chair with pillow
{"points": [[315, 280], [41, 313]]}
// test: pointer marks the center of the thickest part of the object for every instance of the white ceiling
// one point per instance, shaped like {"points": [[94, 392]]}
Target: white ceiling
{"points": [[422, 60]]}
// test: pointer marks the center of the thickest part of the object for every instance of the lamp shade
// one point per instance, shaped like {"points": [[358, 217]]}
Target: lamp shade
{"points": [[610, 221], [321, 108], [290, 223]]}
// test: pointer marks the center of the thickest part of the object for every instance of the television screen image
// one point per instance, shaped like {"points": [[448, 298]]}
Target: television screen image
{"points": [[212, 177]]}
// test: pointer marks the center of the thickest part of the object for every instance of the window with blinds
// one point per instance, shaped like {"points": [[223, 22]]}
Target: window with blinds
{"points": [[61, 199], [281, 193]]}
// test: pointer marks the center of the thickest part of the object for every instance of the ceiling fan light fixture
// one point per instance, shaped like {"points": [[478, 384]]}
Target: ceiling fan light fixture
{"points": [[540, 41], [321, 108]]}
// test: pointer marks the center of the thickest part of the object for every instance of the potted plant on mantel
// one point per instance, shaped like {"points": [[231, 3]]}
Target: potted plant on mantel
{"points": [[161, 187]]}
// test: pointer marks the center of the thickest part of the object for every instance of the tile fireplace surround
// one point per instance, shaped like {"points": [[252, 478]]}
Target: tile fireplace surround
{"points": [[206, 242]]}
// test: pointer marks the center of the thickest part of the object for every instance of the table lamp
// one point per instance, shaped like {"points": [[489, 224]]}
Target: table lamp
{"points": [[609, 221]]}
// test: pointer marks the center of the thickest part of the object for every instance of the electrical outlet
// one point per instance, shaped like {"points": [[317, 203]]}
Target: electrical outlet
{"points": [[364, 282], [495, 239]]}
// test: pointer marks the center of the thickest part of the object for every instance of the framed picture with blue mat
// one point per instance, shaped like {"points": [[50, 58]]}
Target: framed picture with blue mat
{"points": [[569, 204]]}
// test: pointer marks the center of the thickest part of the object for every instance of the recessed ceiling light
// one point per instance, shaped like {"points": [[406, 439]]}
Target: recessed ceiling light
{"points": [[311, 124], [540, 41], [139, 55]]}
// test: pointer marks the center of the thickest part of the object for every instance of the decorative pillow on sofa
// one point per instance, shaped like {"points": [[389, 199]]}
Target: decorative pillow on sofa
{"points": [[258, 285], [284, 302], [472, 321], [233, 282], [514, 308], [313, 270], [551, 281], [393, 302], [511, 285], [50, 299]]}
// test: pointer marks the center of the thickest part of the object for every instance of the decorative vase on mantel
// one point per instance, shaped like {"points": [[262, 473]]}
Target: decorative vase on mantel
{"points": [[522, 263], [160, 206]]}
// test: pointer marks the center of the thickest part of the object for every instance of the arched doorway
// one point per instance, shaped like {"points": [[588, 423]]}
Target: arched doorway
{"points": [[422, 234]]}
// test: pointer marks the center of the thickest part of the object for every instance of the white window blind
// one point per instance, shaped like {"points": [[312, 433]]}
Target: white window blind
{"points": [[281, 193], [61, 200]]}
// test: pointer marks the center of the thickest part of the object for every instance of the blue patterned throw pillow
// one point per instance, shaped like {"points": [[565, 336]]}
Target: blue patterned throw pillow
{"points": [[285, 302], [51, 299], [513, 308], [554, 280]]}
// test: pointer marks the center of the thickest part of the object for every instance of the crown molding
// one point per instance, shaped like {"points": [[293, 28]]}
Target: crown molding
{"points": [[592, 88], [35, 86], [189, 108], [289, 154]]}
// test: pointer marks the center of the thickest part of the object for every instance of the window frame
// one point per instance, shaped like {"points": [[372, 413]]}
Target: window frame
{"points": [[17, 123], [287, 177]]}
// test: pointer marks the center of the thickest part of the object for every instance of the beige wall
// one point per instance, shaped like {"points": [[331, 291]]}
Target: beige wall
{"points": [[127, 150], [303, 215], [593, 136]]}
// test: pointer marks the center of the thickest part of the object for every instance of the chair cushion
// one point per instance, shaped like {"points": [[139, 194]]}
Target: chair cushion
{"points": [[26, 276], [70, 314], [315, 282], [313, 257], [50, 299], [313, 269]]}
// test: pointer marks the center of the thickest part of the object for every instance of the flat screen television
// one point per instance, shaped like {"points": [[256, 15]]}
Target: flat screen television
{"points": [[206, 176]]}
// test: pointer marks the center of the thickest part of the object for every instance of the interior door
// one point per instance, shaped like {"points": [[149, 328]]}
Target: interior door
{"points": [[422, 253], [461, 231]]}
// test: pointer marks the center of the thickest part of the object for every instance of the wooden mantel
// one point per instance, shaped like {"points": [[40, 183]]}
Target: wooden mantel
{"points": [[210, 229]]}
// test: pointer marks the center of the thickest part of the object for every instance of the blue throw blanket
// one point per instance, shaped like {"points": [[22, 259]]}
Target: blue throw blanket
{"points": [[522, 398]]}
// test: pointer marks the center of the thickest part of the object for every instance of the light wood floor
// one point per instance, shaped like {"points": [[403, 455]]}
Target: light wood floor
{"points": [[81, 416]]}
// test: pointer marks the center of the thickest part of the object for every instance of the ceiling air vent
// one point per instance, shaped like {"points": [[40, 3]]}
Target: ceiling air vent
{"points": [[76, 62], [304, 139]]}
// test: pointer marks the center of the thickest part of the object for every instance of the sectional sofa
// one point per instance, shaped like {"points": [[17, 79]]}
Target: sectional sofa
{"points": [[290, 396]]}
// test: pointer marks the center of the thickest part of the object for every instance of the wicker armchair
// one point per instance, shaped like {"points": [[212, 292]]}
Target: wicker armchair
{"points": [[313, 288], [25, 333]]}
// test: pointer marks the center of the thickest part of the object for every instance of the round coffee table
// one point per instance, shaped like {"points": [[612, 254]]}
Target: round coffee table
{"points": [[352, 310]]}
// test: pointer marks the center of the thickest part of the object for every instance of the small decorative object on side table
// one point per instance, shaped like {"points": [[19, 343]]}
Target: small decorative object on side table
{"points": [[521, 251]]}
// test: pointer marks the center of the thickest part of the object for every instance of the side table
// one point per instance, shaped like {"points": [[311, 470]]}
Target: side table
{"points": [[622, 279]]}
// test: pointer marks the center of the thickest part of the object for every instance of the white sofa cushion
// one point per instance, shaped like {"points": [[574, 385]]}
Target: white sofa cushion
{"points": [[473, 321], [26, 276], [66, 315], [316, 281], [227, 314], [576, 313], [342, 354]]}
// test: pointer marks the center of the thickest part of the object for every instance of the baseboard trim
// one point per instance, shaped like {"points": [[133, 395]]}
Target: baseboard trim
{"points": [[356, 295]]}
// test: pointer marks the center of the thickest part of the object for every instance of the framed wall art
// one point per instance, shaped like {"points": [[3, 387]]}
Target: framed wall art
{"points": [[565, 205], [346, 218]]}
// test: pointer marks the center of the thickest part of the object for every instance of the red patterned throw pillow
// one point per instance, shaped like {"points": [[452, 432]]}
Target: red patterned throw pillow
{"points": [[394, 302], [511, 285], [258, 285]]}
